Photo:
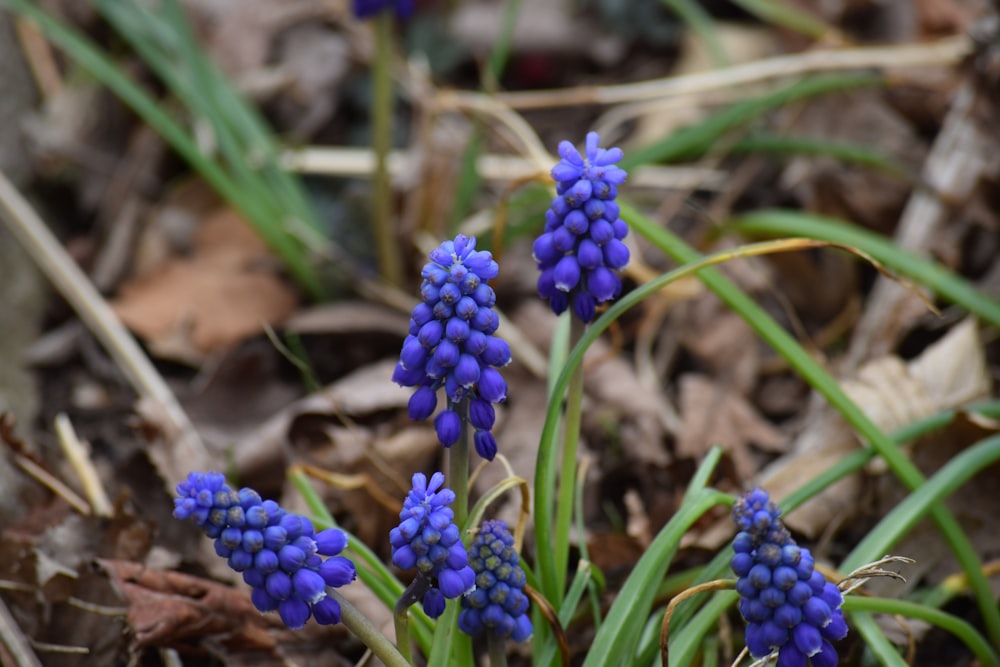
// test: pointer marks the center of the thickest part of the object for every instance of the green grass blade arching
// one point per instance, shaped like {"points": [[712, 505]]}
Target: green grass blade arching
{"points": [[685, 637], [96, 63], [848, 152], [925, 272], [824, 383], [948, 622], [691, 142], [876, 641], [547, 451]]}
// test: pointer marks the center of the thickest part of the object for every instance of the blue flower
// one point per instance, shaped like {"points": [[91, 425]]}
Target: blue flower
{"points": [[498, 604], [428, 539], [280, 555], [788, 605], [451, 345], [367, 8], [582, 248]]}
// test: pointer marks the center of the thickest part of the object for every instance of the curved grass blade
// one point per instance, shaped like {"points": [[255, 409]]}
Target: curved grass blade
{"points": [[933, 275], [692, 142], [949, 622]]}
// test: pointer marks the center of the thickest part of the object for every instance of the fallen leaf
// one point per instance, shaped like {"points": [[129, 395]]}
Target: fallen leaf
{"points": [[223, 293], [892, 394], [168, 608], [713, 413]]}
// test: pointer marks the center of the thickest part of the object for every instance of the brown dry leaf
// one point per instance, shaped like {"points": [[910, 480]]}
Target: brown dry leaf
{"points": [[366, 391], [614, 392], [892, 393], [950, 372], [223, 293], [719, 337], [343, 429], [347, 317], [714, 413], [966, 152], [167, 608]]}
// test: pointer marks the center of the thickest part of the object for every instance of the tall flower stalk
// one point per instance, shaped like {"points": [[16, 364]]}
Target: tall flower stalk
{"points": [[386, 246], [579, 254]]}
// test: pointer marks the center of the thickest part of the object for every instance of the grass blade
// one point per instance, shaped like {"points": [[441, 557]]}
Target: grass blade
{"points": [[925, 272]]}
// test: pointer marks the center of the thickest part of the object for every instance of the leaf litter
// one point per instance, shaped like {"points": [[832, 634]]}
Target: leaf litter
{"points": [[199, 288]]}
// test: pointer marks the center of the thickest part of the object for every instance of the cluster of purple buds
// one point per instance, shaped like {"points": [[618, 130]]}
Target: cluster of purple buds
{"points": [[364, 9], [279, 554], [498, 604], [581, 249], [428, 539], [788, 605], [451, 345]]}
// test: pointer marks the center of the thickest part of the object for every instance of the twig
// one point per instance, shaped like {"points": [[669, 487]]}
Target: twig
{"points": [[15, 641], [359, 162], [78, 455], [943, 52], [75, 287], [56, 486]]}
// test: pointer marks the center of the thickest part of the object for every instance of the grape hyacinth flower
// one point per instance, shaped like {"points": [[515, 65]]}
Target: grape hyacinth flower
{"points": [[788, 605], [279, 554], [581, 249], [367, 8], [428, 539], [451, 345], [498, 604]]}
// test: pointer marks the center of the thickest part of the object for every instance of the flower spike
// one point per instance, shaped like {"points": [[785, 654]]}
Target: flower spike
{"points": [[498, 604], [582, 248], [788, 605], [282, 558], [428, 539], [451, 345]]}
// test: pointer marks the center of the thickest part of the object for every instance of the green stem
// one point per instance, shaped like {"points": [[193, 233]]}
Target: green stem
{"points": [[359, 624], [458, 467], [567, 479], [385, 240], [497, 649], [401, 616]]}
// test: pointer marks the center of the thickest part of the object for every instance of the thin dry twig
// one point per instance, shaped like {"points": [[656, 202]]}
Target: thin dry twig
{"points": [[13, 638], [77, 452], [945, 52], [56, 486], [76, 288]]}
